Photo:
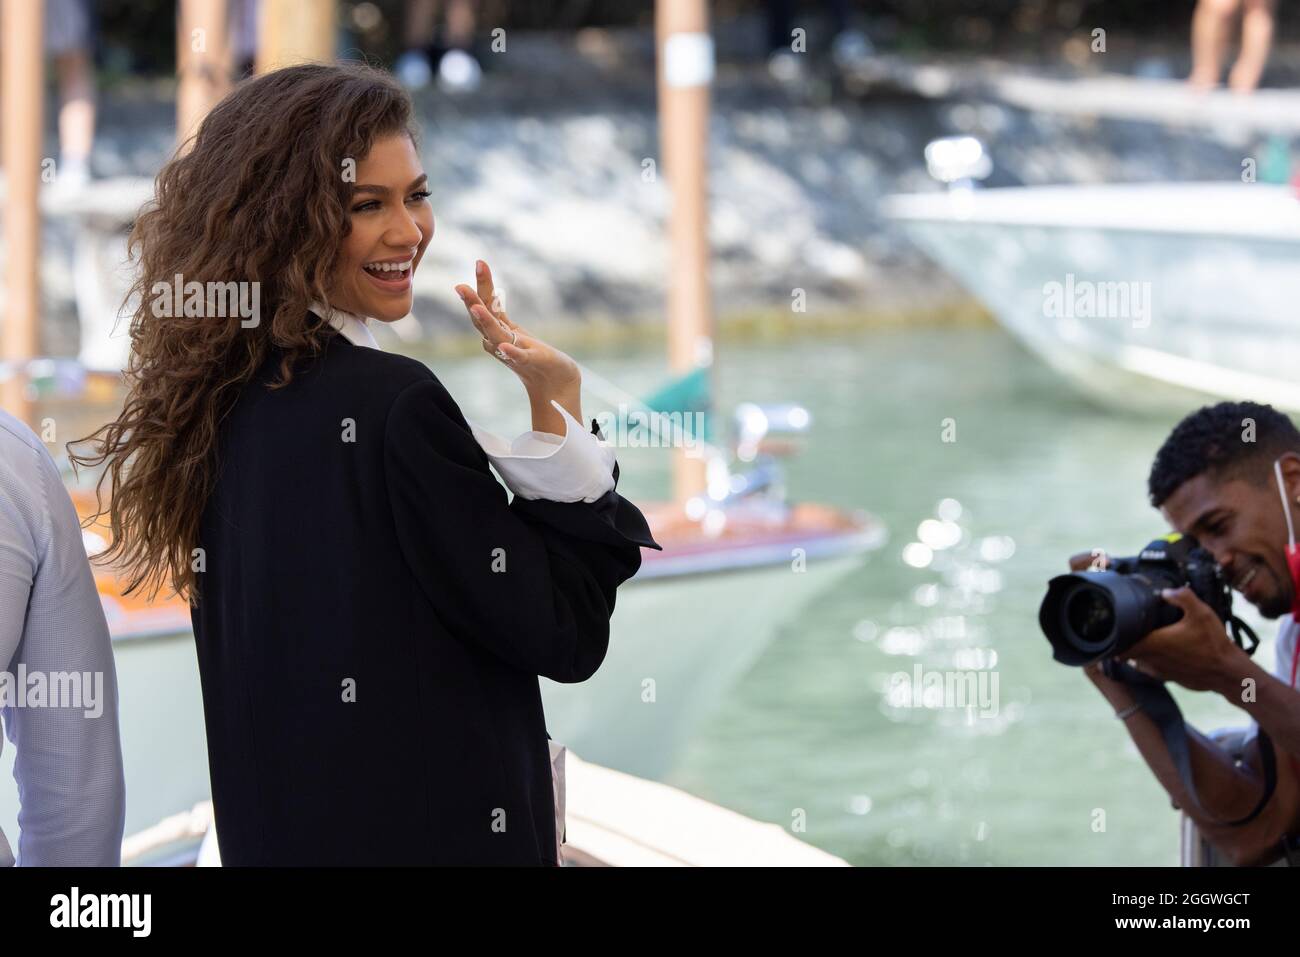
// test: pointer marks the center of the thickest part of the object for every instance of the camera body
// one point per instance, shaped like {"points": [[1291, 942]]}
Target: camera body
{"points": [[1099, 614]]}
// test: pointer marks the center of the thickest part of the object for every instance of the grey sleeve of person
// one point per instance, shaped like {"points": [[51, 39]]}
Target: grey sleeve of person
{"points": [[53, 635]]}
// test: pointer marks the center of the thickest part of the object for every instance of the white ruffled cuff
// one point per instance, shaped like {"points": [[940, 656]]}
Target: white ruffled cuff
{"points": [[575, 467]]}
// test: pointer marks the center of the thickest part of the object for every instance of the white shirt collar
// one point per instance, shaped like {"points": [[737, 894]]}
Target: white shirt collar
{"points": [[355, 329]]}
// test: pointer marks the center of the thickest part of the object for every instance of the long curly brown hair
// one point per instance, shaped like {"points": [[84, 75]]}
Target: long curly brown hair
{"points": [[260, 196]]}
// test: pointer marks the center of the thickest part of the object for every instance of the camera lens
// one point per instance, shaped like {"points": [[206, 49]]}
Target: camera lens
{"points": [[1090, 614]]}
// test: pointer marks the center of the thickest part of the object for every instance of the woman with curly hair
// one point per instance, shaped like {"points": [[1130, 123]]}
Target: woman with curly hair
{"points": [[371, 615]]}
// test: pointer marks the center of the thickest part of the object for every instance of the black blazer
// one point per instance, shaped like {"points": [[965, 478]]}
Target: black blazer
{"points": [[372, 620]]}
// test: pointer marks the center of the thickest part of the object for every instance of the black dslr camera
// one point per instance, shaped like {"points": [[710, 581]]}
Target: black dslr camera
{"points": [[1100, 614]]}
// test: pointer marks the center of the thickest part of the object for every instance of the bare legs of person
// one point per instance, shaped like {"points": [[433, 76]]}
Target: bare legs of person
{"points": [[76, 116], [1212, 27], [1256, 39]]}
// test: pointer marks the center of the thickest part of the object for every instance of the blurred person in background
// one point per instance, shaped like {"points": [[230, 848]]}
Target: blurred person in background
{"points": [[457, 68], [69, 41], [849, 45], [1212, 26], [243, 35]]}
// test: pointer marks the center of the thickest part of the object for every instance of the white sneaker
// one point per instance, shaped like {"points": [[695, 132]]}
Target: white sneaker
{"points": [[459, 72], [412, 70]]}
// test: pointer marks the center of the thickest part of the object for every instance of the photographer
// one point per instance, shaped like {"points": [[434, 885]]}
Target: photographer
{"points": [[1224, 476]]}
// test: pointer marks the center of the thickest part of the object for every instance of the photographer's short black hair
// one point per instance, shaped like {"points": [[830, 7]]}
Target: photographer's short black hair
{"points": [[1231, 439]]}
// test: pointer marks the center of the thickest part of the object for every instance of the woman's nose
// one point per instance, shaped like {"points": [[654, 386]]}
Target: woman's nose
{"points": [[404, 230]]}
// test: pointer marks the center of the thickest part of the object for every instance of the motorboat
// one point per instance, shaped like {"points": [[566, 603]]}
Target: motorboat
{"points": [[1155, 296]]}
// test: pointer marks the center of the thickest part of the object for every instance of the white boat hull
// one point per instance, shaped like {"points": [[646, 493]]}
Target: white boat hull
{"points": [[677, 647], [1206, 278]]}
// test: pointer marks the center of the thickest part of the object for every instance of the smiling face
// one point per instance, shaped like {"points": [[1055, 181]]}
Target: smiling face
{"points": [[392, 223], [1241, 523]]}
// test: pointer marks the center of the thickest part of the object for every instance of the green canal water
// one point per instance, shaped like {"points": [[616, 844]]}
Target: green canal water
{"points": [[988, 472]]}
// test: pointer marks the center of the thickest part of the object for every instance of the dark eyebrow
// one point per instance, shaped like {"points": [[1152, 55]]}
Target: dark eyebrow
{"points": [[383, 190]]}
